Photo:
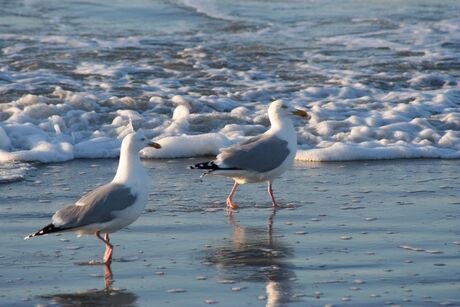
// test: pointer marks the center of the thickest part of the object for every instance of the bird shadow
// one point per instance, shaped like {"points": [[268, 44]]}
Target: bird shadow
{"points": [[107, 296]]}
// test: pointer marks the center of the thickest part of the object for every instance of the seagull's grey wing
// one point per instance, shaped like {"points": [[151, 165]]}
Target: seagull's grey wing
{"points": [[260, 154], [97, 206], [251, 140]]}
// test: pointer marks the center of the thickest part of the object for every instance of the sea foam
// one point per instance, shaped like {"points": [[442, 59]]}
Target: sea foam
{"points": [[41, 130], [376, 87]]}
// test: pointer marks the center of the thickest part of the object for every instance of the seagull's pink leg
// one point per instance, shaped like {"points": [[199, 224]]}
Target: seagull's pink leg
{"points": [[108, 247], [230, 203], [108, 250], [270, 192]]}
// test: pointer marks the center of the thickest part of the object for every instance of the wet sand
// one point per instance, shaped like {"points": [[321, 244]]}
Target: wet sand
{"points": [[351, 233]]}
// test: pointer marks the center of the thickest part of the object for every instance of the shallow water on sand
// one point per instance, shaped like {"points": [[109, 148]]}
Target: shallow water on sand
{"points": [[351, 233], [379, 78]]}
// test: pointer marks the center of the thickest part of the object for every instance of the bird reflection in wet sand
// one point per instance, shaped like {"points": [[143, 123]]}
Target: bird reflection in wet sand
{"points": [[108, 277], [256, 255], [104, 297]]}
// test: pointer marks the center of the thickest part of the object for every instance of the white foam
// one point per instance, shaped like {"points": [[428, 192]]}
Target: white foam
{"points": [[373, 151], [121, 69], [11, 172], [39, 129], [99, 147], [197, 97], [42, 152], [209, 8], [188, 146], [180, 118]]}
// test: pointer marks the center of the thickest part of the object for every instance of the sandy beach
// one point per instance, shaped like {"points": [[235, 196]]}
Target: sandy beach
{"points": [[350, 234], [379, 80]]}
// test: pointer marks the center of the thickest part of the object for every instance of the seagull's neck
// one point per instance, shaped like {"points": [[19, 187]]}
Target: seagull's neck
{"points": [[130, 169], [283, 127]]}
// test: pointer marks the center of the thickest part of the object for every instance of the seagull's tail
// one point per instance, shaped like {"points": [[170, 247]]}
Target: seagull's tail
{"points": [[45, 230]]}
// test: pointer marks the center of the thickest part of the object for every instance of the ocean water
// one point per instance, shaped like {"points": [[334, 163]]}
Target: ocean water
{"points": [[379, 77]]}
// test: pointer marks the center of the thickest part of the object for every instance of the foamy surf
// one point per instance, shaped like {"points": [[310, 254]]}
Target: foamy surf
{"points": [[377, 87]]}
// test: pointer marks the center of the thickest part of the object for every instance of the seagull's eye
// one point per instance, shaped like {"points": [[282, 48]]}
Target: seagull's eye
{"points": [[143, 139], [284, 107]]}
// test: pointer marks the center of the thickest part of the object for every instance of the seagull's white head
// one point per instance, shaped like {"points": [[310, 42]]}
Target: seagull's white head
{"points": [[280, 109], [130, 169], [135, 141]]}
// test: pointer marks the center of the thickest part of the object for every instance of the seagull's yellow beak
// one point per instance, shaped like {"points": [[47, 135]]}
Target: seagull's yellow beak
{"points": [[301, 113], [155, 145]]}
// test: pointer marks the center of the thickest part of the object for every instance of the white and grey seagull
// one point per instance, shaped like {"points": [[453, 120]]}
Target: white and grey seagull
{"points": [[112, 206], [261, 158]]}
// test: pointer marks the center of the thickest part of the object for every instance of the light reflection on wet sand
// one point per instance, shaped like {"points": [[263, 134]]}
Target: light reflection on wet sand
{"points": [[256, 255]]}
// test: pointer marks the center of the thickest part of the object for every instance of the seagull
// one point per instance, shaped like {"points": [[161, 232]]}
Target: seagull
{"points": [[112, 206], [261, 158]]}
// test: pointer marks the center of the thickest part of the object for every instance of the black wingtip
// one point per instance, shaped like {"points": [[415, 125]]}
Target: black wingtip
{"points": [[45, 230], [210, 165]]}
